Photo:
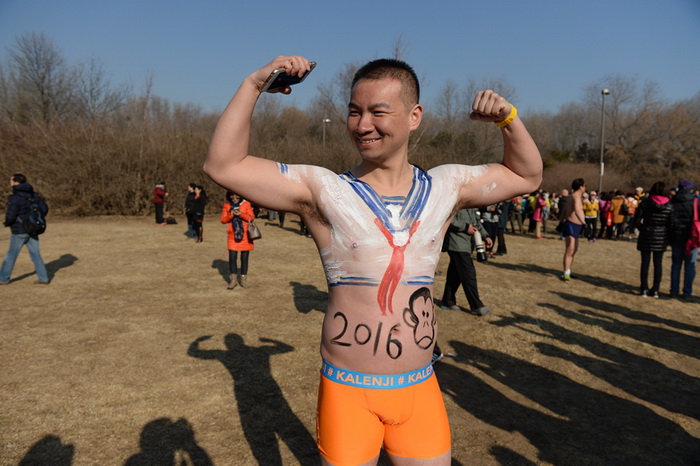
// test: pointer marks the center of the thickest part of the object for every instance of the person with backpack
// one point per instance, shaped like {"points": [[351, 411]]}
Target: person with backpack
{"points": [[25, 215]]}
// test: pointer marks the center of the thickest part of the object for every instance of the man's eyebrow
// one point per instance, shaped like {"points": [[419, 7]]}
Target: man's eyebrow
{"points": [[378, 105]]}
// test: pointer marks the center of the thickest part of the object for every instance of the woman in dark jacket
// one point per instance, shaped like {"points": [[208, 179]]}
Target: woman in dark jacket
{"points": [[653, 219], [198, 204]]}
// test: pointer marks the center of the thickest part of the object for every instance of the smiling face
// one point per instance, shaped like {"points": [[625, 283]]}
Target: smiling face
{"points": [[380, 120]]}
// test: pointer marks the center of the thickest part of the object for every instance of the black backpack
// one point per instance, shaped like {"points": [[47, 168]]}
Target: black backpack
{"points": [[35, 221]]}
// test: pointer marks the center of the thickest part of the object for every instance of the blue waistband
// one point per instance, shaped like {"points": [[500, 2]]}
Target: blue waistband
{"points": [[359, 379]]}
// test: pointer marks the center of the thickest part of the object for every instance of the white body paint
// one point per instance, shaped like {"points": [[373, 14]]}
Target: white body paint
{"points": [[358, 248]]}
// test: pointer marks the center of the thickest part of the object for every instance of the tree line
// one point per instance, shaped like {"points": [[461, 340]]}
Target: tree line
{"points": [[92, 147]]}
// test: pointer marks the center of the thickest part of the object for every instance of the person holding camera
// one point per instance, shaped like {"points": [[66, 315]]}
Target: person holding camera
{"points": [[463, 236], [377, 228]]}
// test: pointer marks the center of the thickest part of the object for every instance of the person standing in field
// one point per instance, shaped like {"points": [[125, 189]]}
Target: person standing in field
{"points": [[490, 218], [618, 207], [189, 211], [159, 195], [502, 249], [516, 214], [591, 208], [379, 229], [653, 220], [538, 213], [198, 207], [685, 210], [573, 225], [237, 213]]}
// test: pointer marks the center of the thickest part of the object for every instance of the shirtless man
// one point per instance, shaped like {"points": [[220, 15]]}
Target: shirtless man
{"points": [[379, 229], [573, 225]]}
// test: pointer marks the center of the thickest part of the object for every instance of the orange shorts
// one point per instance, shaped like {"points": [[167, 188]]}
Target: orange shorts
{"points": [[353, 422]]}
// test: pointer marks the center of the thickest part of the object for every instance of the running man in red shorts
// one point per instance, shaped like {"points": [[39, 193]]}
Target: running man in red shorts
{"points": [[378, 229]]}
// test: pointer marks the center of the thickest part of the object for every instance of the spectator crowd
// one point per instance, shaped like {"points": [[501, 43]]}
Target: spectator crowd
{"points": [[657, 219]]}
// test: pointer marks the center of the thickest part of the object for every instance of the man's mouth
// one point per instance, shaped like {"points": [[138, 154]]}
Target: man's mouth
{"points": [[368, 141]]}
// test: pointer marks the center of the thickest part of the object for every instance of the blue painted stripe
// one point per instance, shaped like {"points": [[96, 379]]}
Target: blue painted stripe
{"points": [[419, 282], [353, 284], [412, 208], [359, 278]]}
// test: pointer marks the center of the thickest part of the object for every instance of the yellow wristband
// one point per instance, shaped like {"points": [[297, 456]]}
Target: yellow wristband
{"points": [[509, 119]]}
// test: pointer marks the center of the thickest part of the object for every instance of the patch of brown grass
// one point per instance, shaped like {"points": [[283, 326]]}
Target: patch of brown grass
{"points": [[100, 366]]}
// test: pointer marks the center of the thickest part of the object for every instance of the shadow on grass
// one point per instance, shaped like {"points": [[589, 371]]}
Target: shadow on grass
{"points": [[222, 267], [308, 298], [627, 312], [52, 267], [508, 457], [639, 376], [264, 412], [592, 279], [569, 423], [50, 450], [164, 442], [659, 337]]}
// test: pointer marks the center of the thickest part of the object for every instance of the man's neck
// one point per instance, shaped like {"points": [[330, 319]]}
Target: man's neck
{"points": [[386, 180]]}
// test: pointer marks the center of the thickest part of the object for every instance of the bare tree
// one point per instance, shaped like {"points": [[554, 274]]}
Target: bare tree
{"points": [[449, 106], [400, 48], [42, 84], [98, 99], [134, 140]]}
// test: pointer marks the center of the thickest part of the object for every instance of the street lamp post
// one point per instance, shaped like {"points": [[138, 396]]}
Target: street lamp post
{"points": [[604, 92], [325, 120]]}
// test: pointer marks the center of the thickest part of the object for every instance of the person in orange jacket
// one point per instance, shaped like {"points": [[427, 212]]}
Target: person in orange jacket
{"points": [[619, 210], [237, 213]]}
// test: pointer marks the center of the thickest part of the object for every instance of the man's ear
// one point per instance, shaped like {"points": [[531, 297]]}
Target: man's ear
{"points": [[416, 116]]}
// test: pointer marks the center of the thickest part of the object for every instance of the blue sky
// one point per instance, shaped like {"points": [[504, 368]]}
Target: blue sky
{"points": [[199, 51]]}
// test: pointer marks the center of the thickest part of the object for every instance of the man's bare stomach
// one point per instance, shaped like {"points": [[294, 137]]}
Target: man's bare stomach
{"points": [[356, 336]]}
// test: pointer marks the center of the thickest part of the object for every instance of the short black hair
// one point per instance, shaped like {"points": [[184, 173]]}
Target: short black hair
{"points": [[658, 189], [577, 183], [19, 178], [394, 69]]}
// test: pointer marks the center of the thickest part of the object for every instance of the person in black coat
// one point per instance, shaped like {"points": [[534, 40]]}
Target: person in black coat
{"points": [[198, 205], [18, 206], [189, 211], [682, 218], [653, 220]]}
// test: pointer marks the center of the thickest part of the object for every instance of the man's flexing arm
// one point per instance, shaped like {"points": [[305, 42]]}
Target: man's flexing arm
{"points": [[228, 162], [521, 168]]}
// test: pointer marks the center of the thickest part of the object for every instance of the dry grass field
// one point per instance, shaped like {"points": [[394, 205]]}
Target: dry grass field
{"points": [[136, 354]]}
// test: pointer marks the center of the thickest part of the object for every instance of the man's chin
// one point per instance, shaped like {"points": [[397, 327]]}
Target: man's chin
{"points": [[368, 154]]}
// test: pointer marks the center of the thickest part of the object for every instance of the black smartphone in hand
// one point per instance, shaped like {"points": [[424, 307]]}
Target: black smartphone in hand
{"points": [[280, 79]]}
